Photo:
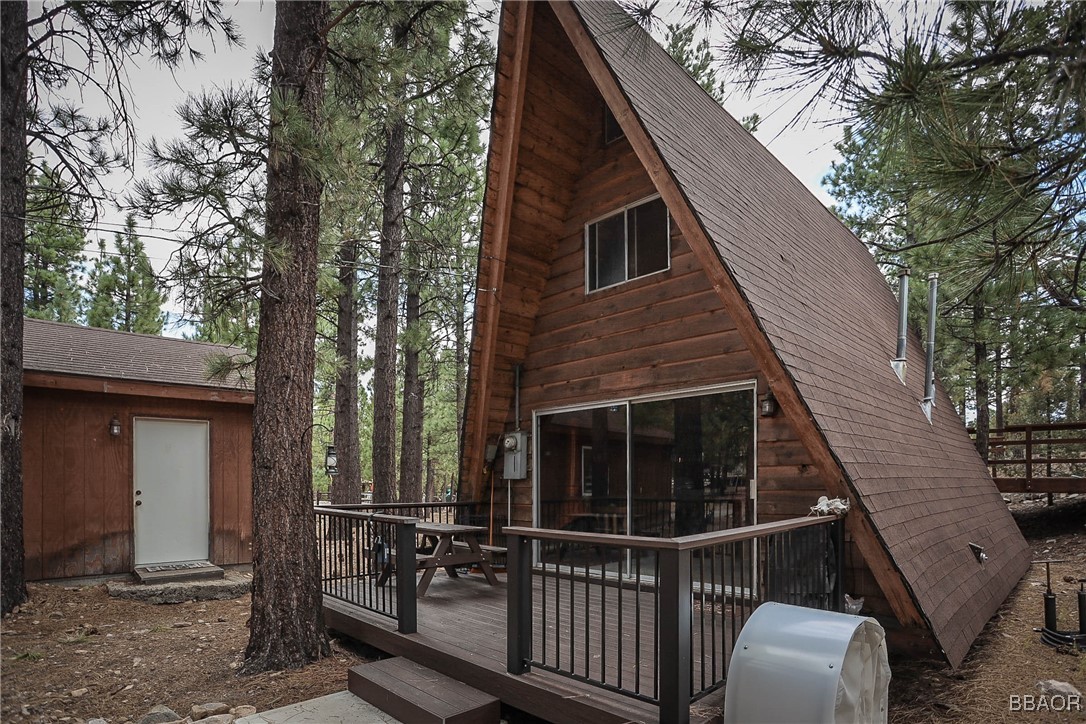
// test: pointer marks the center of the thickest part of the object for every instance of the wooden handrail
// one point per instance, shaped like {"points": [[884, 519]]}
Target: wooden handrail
{"points": [[359, 515], [682, 543], [387, 506]]}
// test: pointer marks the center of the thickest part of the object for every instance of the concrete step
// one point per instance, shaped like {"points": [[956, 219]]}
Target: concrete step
{"points": [[176, 572], [413, 693], [341, 708]]}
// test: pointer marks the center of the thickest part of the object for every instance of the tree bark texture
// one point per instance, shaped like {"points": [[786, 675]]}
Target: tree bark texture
{"points": [[286, 628], [461, 348], [413, 389], [982, 384], [997, 378], [346, 487], [388, 299], [431, 470], [1082, 378], [13, 102]]}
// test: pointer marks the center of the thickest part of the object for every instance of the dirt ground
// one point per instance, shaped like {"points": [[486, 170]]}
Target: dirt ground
{"points": [[130, 656]]}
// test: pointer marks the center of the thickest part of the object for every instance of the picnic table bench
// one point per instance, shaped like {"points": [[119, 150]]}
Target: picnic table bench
{"points": [[443, 552]]}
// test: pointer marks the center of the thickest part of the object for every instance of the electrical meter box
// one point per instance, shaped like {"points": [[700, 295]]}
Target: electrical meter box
{"points": [[515, 448]]}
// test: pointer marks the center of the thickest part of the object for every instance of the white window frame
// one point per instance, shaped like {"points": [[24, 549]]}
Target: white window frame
{"points": [[625, 247]]}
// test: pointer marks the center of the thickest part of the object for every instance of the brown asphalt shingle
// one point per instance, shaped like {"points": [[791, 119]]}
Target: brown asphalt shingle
{"points": [[91, 352], [829, 314]]}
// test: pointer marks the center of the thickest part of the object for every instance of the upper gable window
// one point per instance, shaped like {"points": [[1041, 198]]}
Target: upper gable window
{"points": [[630, 243], [611, 130]]}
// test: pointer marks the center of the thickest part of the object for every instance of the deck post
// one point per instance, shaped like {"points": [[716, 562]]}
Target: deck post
{"points": [[406, 600], [837, 531], [674, 636], [1029, 458], [519, 602]]}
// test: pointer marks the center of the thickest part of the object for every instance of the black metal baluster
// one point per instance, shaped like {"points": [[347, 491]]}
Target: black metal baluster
{"points": [[701, 616], [572, 621], [656, 628], [625, 552], [557, 613], [603, 618], [712, 618], [587, 609], [637, 626], [543, 618]]}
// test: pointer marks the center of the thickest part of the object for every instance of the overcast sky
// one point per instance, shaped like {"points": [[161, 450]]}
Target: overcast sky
{"points": [[807, 150]]}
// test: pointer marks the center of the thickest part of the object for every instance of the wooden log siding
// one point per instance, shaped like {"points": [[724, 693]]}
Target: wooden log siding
{"points": [[78, 480]]}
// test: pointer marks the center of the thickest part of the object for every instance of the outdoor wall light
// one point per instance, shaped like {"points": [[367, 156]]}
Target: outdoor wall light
{"points": [[768, 406], [115, 427], [331, 462]]}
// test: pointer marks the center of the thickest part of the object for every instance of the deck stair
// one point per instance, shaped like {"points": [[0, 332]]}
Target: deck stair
{"points": [[413, 693]]}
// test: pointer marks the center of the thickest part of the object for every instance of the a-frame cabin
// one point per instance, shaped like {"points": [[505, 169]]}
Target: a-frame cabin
{"points": [[645, 341]]}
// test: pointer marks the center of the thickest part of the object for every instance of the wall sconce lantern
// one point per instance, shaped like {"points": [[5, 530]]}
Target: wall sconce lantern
{"points": [[115, 427], [768, 406], [331, 462]]}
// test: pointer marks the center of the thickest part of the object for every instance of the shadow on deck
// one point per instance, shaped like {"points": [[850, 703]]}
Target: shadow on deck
{"points": [[462, 634]]}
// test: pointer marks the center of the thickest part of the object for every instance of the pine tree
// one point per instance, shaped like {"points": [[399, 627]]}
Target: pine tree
{"points": [[54, 251], [123, 291], [286, 627], [214, 176]]}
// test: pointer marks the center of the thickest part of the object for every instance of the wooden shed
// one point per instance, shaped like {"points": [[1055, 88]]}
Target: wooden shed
{"points": [[693, 341], [132, 456]]}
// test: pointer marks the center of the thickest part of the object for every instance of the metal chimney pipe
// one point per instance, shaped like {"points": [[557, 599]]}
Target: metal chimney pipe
{"points": [[903, 312], [929, 370]]}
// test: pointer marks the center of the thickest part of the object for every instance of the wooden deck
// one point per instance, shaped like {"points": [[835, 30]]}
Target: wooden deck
{"points": [[462, 634]]}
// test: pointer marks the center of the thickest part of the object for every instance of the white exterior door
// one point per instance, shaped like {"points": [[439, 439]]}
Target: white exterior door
{"points": [[170, 490]]}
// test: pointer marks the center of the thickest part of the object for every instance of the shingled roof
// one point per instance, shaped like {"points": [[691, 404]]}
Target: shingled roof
{"points": [[807, 297], [71, 349], [830, 317]]}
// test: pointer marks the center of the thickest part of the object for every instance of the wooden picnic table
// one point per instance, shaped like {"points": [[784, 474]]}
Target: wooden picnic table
{"points": [[440, 551]]}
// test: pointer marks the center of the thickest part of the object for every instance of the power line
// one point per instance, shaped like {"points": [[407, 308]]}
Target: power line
{"points": [[92, 248]]}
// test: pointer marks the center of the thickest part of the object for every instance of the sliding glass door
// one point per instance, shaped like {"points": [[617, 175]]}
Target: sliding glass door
{"points": [[655, 466]]}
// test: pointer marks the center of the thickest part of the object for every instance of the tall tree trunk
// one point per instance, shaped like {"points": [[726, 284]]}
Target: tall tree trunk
{"points": [[413, 385], [287, 627], [461, 352], [13, 19], [388, 299], [347, 485], [998, 380], [981, 380], [461, 343], [431, 470], [1082, 379]]}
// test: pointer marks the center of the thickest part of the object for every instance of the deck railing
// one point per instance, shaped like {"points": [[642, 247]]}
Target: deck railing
{"points": [[657, 619], [1041, 458], [459, 512], [355, 549], [657, 517]]}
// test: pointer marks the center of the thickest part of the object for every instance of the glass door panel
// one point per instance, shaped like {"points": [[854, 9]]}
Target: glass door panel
{"points": [[693, 460], [582, 477]]}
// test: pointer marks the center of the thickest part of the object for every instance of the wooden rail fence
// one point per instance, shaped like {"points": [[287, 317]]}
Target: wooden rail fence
{"points": [[1041, 458]]}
